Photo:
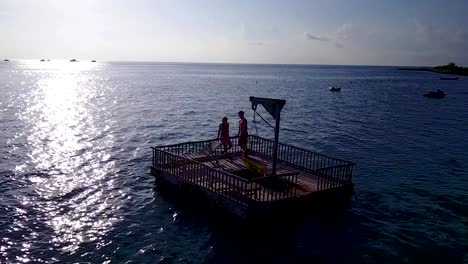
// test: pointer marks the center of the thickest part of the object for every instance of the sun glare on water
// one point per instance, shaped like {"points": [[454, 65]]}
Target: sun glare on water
{"points": [[68, 160]]}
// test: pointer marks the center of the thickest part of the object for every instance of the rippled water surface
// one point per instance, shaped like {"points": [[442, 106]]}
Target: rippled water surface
{"points": [[74, 172]]}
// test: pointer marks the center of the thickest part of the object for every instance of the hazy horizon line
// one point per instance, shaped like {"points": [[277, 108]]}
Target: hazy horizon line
{"points": [[232, 63]]}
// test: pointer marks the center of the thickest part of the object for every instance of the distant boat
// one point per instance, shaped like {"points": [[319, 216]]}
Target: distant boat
{"points": [[334, 89], [73, 60], [438, 94], [48, 59], [449, 78], [6, 60], [42, 60], [93, 61]]}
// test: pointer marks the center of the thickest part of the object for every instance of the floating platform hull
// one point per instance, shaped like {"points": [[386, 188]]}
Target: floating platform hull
{"points": [[305, 181], [295, 206]]}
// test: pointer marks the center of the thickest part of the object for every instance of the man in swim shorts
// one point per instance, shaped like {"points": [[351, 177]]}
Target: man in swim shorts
{"points": [[243, 134]]}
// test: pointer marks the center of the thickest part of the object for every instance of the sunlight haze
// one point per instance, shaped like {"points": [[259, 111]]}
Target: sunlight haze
{"points": [[303, 32]]}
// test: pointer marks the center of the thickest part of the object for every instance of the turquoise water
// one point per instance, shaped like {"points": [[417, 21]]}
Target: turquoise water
{"points": [[74, 172]]}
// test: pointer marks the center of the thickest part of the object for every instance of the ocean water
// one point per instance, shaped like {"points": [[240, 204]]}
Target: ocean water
{"points": [[75, 156]]}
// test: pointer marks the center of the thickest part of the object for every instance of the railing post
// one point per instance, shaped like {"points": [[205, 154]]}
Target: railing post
{"points": [[275, 146]]}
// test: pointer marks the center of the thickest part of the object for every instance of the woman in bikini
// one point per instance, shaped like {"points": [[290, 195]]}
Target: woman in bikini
{"points": [[223, 134]]}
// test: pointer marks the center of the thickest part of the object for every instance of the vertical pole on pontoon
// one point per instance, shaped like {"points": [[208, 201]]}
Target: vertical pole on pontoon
{"points": [[274, 107], [275, 146]]}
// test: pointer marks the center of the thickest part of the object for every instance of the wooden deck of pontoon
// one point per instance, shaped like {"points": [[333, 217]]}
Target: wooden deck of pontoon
{"points": [[306, 182], [226, 179]]}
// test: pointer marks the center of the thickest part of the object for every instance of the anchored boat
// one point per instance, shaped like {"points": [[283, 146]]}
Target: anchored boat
{"points": [[438, 94], [274, 178], [334, 89]]}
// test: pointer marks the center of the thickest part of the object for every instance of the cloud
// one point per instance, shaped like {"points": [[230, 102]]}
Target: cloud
{"points": [[337, 37], [310, 36], [344, 32]]}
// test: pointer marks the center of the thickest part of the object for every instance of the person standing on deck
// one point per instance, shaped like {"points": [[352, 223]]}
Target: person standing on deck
{"points": [[243, 134], [223, 134]]}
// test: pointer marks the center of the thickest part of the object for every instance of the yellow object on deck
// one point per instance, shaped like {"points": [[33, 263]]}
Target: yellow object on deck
{"points": [[255, 167]]}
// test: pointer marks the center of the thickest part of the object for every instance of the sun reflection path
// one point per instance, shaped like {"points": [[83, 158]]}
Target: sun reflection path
{"points": [[69, 166]]}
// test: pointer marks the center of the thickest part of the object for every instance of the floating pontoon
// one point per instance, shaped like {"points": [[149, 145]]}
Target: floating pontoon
{"points": [[273, 178]]}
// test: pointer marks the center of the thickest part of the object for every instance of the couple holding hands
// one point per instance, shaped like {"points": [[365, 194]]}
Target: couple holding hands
{"points": [[223, 133]]}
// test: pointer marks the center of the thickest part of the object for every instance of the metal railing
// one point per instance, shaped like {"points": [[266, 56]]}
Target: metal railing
{"points": [[194, 147], [181, 161], [223, 183], [279, 186], [331, 172]]}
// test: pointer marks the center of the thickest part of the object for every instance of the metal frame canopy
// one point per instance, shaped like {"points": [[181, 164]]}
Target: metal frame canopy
{"points": [[274, 107]]}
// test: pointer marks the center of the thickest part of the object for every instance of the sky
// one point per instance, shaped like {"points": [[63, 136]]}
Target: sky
{"points": [[351, 32]]}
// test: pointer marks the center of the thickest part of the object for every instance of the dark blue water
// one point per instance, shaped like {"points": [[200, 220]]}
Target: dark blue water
{"points": [[74, 172]]}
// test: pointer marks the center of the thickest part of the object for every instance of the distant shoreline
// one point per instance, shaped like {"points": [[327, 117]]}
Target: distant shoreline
{"points": [[415, 69], [450, 69]]}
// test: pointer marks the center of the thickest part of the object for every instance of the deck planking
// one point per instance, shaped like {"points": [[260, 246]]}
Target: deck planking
{"points": [[306, 182]]}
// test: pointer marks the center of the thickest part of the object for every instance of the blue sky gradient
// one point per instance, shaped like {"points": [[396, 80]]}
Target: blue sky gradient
{"points": [[358, 32]]}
